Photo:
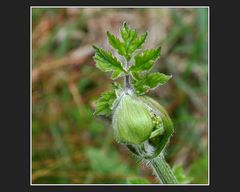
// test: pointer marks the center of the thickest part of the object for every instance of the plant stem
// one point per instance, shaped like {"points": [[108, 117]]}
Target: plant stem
{"points": [[127, 79], [163, 171], [159, 165]]}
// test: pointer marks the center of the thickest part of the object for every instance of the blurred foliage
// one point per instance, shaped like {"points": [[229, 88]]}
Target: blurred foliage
{"points": [[198, 169], [137, 180], [69, 144], [181, 176]]}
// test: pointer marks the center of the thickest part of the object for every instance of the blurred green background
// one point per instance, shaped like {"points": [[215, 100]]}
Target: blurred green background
{"points": [[69, 144]]}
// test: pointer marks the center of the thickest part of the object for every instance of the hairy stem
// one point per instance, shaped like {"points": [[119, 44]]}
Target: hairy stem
{"points": [[162, 170], [159, 165], [127, 80]]}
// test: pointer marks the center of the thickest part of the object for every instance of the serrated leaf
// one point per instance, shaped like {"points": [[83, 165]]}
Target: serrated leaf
{"points": [[116, 85], [135, 75], [137, 43], [150, 81], [127, 33], [145, 60], [131, 41], [116, 74], [104, 103], [118, 88], [116, 43], [105, 61]]}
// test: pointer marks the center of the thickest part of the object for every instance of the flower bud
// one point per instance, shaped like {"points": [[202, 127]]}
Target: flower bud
{"points": [[132, 121], [161, 132]]}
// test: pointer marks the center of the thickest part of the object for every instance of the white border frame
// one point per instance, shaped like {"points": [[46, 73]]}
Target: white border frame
{"points": [[31, 7]]}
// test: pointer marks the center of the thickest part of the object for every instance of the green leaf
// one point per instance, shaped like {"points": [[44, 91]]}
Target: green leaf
{"points": [[116, 44], [127, 33], [137, 43], [145, 60], [131, 41], [106, 62], [116, 74], [104, 103], [137, 180], [150, 81], [118, 89], [135, 75]]}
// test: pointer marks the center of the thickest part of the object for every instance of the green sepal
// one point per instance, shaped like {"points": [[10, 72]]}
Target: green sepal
{"points": [[158, 142]]}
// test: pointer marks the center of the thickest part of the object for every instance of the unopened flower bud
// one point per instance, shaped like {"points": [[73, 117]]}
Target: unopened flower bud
{"points": [[142, 124], [132, 121]]}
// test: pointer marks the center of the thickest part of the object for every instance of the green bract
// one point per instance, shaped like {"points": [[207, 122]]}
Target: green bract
{"points": [[132, 121], [160, 140]]}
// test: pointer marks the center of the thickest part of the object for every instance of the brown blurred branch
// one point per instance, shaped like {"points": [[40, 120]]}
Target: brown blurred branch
{"points": [[75, 57]]}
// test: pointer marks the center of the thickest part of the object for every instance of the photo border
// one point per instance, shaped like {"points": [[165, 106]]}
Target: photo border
{"points": [[110, 7]]}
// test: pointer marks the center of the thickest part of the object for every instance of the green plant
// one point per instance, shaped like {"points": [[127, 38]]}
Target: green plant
{"points": [[139, 122]]}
